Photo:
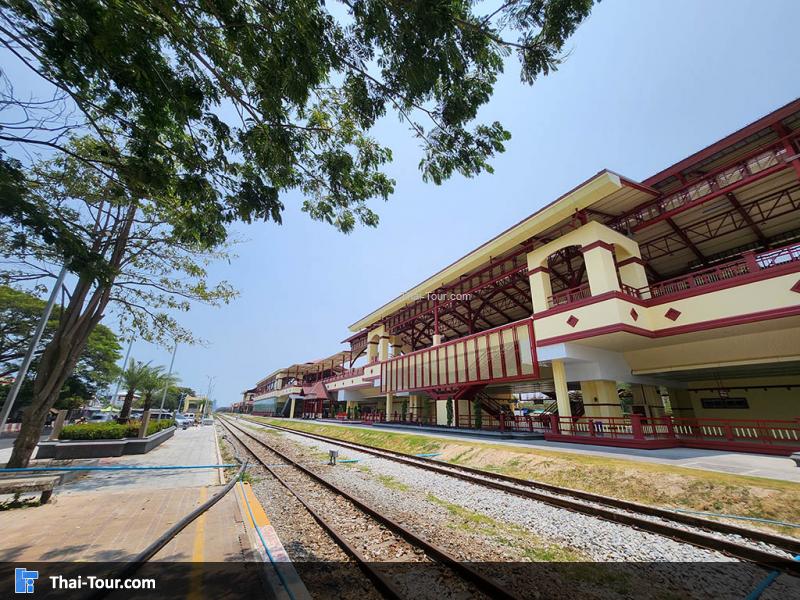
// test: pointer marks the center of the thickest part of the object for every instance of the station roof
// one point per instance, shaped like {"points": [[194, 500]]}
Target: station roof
{"points": [[308, 367], [604, 188], [701, 235]]}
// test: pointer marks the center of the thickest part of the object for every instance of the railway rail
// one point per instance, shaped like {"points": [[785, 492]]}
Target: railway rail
{"points": [[677, 526], [383, 583]]}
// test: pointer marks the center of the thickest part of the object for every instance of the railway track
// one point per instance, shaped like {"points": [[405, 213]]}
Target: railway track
{"points": [[677, 526], [383, 581]]}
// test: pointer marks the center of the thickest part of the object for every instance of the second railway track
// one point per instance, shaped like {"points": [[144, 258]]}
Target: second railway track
{"points": [[756, 546]]}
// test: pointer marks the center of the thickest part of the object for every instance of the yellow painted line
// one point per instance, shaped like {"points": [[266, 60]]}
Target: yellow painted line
{"points": [[198, 550], [261, 519]]}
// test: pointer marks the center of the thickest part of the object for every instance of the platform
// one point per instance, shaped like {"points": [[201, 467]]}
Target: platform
{"points": [[738, 463]]}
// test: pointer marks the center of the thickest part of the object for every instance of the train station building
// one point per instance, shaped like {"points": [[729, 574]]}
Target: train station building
{"points": [[648, 313]]}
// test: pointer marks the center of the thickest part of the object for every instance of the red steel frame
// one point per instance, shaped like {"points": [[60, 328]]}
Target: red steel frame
{"points": [[390, 368]]}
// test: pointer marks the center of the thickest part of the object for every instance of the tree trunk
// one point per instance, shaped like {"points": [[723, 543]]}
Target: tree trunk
{"points": [[148, 400], [69, 340], [58, 361], [125, 413]]}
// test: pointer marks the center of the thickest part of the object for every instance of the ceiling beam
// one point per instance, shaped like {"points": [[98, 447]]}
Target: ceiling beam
{"points": [[747, 218], [689, 244]]}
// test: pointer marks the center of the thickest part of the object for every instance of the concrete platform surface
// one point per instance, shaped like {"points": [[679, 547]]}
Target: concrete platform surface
{"points": [[113, 515], [738, 463], [115, 526]]}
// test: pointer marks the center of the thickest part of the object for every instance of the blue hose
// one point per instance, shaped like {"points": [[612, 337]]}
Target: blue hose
{"points": [[114, 468], [765, 583]]}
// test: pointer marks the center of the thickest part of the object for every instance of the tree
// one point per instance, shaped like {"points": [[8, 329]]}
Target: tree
{"points": [[155, 380], [229, 105], [166, 170], [133, 378], [95, 369], [449, 412], [176, 395], [152, 273], [476, 408]]}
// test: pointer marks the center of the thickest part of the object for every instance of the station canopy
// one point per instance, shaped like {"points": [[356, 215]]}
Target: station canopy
{"points": [[741, 193]]}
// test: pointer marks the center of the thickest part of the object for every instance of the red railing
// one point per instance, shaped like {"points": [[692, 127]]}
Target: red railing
{"points": [[760, 162], [743, 434], [570, 295], [749, 263], [346, 374]]}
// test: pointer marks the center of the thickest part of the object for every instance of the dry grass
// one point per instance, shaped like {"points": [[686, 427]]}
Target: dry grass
{"points": [[648, 483]]}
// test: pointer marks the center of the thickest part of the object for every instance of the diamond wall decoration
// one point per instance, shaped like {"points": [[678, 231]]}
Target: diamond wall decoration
{"points": [[634, 314], [672, 314], [572, 321], [796, 287]]}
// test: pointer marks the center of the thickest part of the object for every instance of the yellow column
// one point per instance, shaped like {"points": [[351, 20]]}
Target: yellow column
{"points": [[291, 409], [562, 393], [383, 348], [632, 273], [600, 398], [541, 290], [389, 401], [600, 268]]}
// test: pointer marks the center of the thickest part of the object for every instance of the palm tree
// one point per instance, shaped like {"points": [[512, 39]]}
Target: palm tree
{"points": [[132, 377], [155, 380]]}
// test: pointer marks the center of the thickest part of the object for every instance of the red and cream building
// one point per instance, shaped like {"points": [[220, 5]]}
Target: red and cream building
{"points": [[654, 313]]}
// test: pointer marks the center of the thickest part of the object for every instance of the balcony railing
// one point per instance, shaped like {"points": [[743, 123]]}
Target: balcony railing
{"points": [[760, 434], [569, 296], [505, 353], [760, 162], [749, 263], [346, 374]]}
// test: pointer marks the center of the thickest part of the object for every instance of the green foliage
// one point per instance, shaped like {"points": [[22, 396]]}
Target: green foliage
{"points": [[403, 409], [303, 83], [96, 368], [476, 409], [449, 412], [111, 431]]}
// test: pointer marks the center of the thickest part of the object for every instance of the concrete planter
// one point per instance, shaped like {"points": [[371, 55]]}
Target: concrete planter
{"points": [[61, 449]]}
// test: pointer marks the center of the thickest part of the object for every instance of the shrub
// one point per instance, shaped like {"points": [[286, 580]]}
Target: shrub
{"points": [[111, 431]]}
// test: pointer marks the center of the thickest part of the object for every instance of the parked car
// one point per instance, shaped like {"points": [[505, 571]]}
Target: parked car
{"points": [[208, 420], [101, 418], [183, 421]]}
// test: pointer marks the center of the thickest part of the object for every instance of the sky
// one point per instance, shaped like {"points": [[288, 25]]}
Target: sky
{"points": [[646, 83]]}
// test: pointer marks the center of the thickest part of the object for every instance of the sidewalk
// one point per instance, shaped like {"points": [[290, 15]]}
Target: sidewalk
{"points": [[113, 515]]}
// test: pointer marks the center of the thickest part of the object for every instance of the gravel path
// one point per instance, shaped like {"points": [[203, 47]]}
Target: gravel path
{"points": [[419, 496]]}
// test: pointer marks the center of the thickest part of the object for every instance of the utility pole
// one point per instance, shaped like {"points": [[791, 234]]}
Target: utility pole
{"points": [[124, 366], [211, 379], [171, 363], [37, 336]]}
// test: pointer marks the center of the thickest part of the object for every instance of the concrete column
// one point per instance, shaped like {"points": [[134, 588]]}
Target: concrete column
{"points": [[58, 424], [562, 392], [291, 408], [600, 268], [633, 274], [541, 289], [145, 423], [383, 348], [600, 398], [389, 402], [649, 397], [681, 402], [437, 339]]}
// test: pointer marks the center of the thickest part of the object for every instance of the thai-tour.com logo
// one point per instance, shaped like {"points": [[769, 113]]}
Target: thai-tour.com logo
{"points": [[24, 582]]}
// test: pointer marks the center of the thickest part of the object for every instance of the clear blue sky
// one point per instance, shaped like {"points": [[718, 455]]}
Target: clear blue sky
{"points": [[647, 83]]}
